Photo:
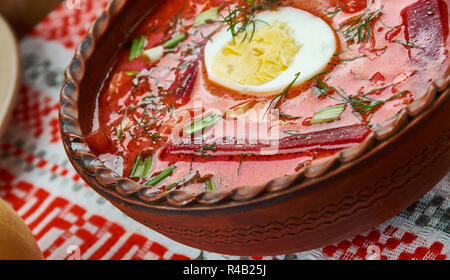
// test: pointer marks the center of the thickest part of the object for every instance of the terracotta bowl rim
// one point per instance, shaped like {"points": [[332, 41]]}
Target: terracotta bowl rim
{"points": [[121, 189]]}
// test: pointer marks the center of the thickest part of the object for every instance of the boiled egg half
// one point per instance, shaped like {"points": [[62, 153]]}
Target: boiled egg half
{"points": [[264, 61]]}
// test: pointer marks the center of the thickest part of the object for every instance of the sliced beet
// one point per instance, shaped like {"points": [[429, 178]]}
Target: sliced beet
{"points": [[330, 141], [182, 87], [426, 28], [99, 141]]}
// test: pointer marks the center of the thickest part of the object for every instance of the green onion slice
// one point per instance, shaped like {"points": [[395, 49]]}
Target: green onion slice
{"points": [[321, 88], [137, 47], [154, 54], [202, 123], [210, 184], [175, 41], [155, 180], [131, 73], [141, 167], [207, 16], [328, 114], [184, 181]]}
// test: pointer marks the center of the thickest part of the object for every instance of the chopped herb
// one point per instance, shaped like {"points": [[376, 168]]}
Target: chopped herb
{"points": [[294, 133], [244, 15], [387, 26], [207, 17], [350, 59], [177, 19], [333, 63], [322, 88], [137, 47], [359, 29], [240, 164], [241, 161], [155, 180], [363, 104], [338, 54], [284, 116], [106, 136], [279, 98], [320, 74], [356, 116], [204, 149], [210, 184], [408, 44], [175, 40], [387, 120], [378, 89], [119, 129], [190, 165], [202, 123], [335, 12], [131, 73], [328, 114], [149, 98], [141, 167]]}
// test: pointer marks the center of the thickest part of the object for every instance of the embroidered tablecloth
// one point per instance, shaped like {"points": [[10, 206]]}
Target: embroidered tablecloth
{"points": [[71, 221]]}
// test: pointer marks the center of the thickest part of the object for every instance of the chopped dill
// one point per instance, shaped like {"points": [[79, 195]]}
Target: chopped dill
{"points": [[243, 16], [287, 117], [204, 149], [320, 74], [295, 133], [363, 104], [408, 44], [279, 98], [241, 161], [350, 59], [335, 12], [359, 29]]}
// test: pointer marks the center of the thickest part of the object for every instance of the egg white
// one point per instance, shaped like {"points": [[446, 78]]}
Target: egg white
{"points": [[314, 35]]}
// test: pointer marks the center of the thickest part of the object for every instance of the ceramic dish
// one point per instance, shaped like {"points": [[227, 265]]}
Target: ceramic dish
{"points": [[340, 195], [9, 72]]}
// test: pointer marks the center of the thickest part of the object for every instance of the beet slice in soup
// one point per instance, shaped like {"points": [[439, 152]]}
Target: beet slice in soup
{"points": [[331, 140], [426, 29]]}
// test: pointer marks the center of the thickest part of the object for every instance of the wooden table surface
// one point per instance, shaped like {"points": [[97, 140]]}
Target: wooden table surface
{"points": [[24, 14]]}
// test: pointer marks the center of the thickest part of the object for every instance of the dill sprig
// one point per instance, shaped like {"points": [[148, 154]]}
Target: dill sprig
{"points": [[295, 133], [408, 44], [358, 29], [242, 16], [362, 104], [279, 98], [242, 161], [204, 149], [335, 12], [288, 117]]}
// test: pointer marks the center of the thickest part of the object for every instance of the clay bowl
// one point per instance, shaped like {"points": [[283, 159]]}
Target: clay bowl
{"points": [[324, 203]]}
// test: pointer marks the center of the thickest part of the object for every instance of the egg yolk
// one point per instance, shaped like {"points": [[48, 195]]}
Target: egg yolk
{"points": [[259, 59]]}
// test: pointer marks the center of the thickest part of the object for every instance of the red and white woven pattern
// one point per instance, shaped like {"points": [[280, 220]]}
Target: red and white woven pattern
{"points": [[71, 221]]}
